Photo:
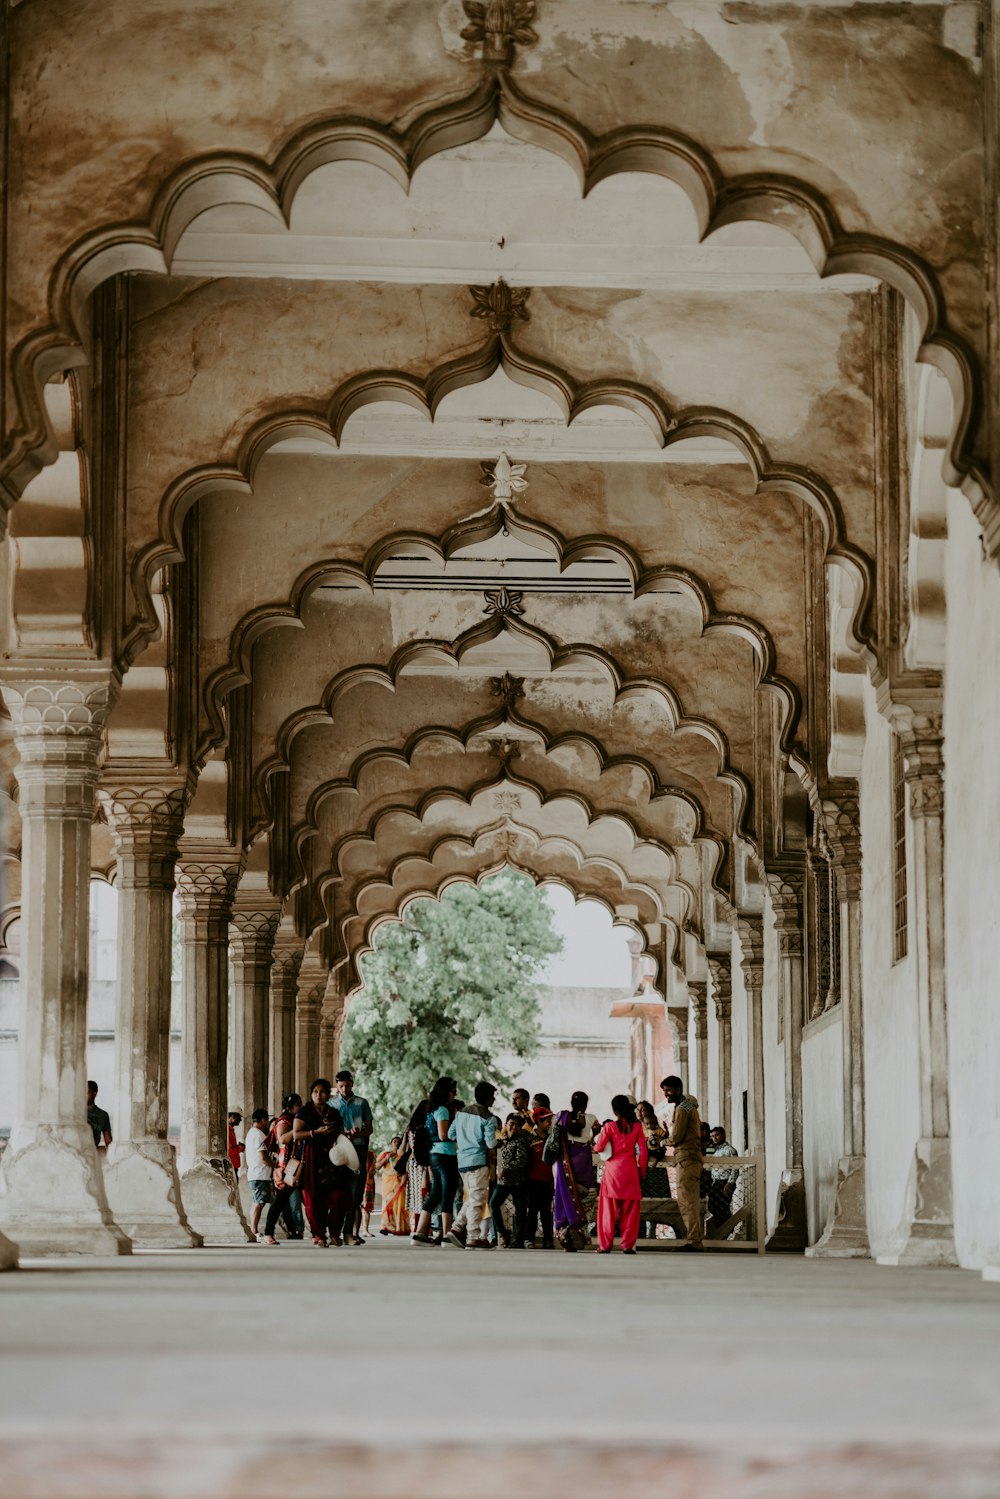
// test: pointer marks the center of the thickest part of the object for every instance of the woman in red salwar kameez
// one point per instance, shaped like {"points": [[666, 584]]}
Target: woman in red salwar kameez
{"points": [[621, 1183]]}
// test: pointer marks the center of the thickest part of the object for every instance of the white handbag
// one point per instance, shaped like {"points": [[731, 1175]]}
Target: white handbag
{"points": [[343, 1153]]}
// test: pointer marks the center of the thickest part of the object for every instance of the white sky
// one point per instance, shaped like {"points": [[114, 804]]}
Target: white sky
{"points": [[595, 953]]}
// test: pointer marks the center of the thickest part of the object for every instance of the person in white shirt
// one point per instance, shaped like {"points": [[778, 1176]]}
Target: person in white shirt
{"points": [[260, 1167]]}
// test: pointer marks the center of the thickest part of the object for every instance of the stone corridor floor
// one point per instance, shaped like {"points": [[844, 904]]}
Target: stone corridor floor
{"points": [[415, 1372]]}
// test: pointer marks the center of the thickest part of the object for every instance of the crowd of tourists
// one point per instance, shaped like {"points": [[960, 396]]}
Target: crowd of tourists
{"points": [[461, 1175], [311, 1163]]}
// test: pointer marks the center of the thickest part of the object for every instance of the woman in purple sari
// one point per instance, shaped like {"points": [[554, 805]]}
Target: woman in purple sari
{"points": [[575, 1180]]}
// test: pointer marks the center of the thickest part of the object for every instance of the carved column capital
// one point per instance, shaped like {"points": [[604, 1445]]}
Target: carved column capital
{"points": [[53, 706], [313, 976], [252, 929], [841, 814], [722, 986], [922, 742], [206, 887], [146, 818], [58, 722], [785, 889], [286, 957], [750, 930], [698, 993]]}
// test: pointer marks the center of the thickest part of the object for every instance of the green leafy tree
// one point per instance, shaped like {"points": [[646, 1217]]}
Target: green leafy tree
{"points": [[447, 990]]}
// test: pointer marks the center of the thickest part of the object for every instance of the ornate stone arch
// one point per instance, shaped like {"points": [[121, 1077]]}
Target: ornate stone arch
{"points": [[718, 199]]}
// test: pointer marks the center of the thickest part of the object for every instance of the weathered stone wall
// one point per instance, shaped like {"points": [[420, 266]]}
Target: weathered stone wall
{"points": [[774, 1070], [741, 1048], [972, 894], [892, 1075], [822, 1116]]}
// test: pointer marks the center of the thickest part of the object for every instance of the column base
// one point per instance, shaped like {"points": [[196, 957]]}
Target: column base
{"points": [[846, 1234], [212, 1201], [931, 1239], [8, 1253], [144, 1194], [791, 1233], [53, 1198]]}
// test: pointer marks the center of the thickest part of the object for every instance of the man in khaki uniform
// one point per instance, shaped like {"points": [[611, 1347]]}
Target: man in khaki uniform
{"points": [[685, 1137]]}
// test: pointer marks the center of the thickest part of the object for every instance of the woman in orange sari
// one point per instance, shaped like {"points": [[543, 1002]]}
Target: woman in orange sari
{"points": [[395, 1218]]}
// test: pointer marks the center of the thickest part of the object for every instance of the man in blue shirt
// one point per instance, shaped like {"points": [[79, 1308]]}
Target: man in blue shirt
{"points": [[357, 1117], [474, 1130]]}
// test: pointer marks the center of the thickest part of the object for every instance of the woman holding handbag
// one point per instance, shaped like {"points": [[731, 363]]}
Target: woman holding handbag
{"points": [[287, 1200], [622, 1145], [570, 1147], [315, 1129], [344, 1164]]}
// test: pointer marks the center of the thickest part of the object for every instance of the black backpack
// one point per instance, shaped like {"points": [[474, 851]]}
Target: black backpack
{"points": [[422, 1144]]}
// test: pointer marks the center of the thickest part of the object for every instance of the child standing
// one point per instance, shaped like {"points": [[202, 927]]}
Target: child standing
{"points": [[513, 1157], [540, 1183], [621, 1187]]}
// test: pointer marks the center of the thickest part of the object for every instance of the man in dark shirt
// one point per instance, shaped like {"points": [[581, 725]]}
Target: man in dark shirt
{"points": [[98, 1119]]}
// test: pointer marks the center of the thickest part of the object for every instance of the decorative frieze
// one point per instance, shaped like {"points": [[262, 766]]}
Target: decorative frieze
{"points": [[500, 305], [497, 26], [508, 689], [503, 604], [786, 902], [506, 479]]}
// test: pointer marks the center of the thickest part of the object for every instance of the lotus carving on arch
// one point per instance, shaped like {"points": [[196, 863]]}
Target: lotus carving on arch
{"points": [[503, 603], [500, 304], [497, 25]]}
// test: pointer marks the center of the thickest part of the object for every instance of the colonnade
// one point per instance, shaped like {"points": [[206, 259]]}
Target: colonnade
{"points": [[56, 1197], [287, 1009]]}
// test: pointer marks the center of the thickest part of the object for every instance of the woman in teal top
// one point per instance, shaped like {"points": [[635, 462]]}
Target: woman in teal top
{"points": [[443, 1161]]}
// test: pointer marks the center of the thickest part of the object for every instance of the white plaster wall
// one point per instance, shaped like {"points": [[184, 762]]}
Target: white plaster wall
{"points": [[972, 887], [741, 1053], [711, 1113], [582, 1046], [100, 1052], [822, 1116], [892, 1080], [774, 1072]]}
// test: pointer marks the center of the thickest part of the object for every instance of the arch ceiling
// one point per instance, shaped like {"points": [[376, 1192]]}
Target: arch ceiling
{"points": [[53, 295], [488, 423]]}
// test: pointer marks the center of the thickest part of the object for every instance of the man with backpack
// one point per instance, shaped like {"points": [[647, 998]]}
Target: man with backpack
{"points": [[287, 1200]]}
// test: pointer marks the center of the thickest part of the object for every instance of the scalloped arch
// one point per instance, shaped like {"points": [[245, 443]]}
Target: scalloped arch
{"points": [[237, 476], [386, 677], [563, 882], [352, 952], [224, 177], [703, 832], [266, 617], [416, 813]]}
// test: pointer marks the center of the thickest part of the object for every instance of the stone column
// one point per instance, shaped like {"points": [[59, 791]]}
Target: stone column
{"points": [[251, 933], [751, 934], [785, 887], [846, 1234], [286, 961], [55, 1201], [205, 885], [698, 993], [308, 1004], [681, 1015], [931, 1238], [722, 997], [327, 1048], [331, 1024], [146, 818]]}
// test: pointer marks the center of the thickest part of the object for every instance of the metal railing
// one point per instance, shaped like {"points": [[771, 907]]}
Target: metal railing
{"points": [[743, 1227]]}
